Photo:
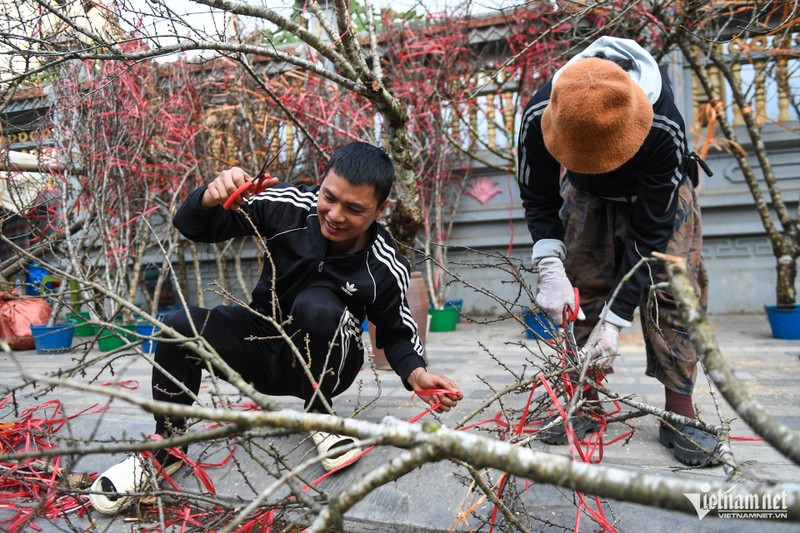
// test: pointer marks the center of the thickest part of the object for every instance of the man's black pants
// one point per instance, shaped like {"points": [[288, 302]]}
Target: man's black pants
{"points": [[253, 348]]}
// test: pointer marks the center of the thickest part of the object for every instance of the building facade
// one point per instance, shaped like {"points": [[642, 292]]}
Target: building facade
{"points": [[489, 247]]}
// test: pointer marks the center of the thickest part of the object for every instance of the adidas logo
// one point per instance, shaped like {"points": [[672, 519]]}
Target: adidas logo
{"points": [[349, 288]]}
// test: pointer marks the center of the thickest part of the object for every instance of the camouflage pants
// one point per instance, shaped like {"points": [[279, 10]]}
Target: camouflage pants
{"points": [[594, 236]]}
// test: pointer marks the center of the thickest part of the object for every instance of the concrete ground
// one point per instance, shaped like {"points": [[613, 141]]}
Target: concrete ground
{"points": [[438, 496]]}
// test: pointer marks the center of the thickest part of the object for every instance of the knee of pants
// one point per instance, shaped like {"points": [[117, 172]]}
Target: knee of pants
{"points": [[179, 321], [317, 311]]}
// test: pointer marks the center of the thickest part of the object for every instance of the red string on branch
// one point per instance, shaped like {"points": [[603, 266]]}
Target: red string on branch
{"points": [[130, 384], [34, 479]]}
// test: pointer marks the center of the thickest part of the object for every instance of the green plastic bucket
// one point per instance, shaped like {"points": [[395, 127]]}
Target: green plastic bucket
{"points": [[82, 328], [111, 338], [443, 319]]}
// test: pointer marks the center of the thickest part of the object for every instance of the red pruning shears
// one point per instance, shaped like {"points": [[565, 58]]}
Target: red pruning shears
{"points": [[255, 186], [570, 316]]}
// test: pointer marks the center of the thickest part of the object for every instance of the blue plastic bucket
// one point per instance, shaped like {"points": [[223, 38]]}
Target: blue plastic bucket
{"points": [[536, 323], [785, 322], [53, 339], [457, 305], [146, 329], [34, 274]]}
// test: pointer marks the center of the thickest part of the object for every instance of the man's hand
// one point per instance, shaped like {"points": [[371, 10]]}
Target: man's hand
{"points": [[225, 184], [601, 348], [420, 380], [555, 290]]}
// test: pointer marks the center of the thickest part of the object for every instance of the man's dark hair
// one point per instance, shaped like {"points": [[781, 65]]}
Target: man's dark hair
{"points": [[361, 163]]}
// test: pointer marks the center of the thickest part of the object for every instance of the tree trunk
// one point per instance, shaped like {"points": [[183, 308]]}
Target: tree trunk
{"points": [[787, 274], [406, 216]]}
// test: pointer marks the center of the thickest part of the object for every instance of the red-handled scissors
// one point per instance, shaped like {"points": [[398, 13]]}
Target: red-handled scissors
{"points": [[254, 186], [571, 313]]}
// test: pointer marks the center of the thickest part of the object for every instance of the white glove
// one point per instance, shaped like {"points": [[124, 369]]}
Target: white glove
{"points": [[601, 348], [555, 290]]}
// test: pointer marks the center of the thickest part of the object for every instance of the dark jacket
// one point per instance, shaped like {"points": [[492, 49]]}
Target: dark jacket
{"points": [[372, 282], [649, 180]]}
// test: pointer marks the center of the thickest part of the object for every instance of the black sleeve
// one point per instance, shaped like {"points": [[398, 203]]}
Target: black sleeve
{"points": [[399, 338], [216, 224], [396, 331], [653, 213], [538, 173]]}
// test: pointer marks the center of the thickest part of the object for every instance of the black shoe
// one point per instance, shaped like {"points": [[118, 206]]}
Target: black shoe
{"points": [[557, 435], [691, 446]]}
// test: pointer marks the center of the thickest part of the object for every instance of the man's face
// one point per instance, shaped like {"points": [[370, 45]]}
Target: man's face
{"points": [[346, 211]]}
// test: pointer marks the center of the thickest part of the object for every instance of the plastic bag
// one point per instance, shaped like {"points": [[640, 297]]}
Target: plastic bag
{"points": [[16, 317]]}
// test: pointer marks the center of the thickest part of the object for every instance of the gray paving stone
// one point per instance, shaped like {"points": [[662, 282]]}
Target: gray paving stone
{"points": [[430, 498]]}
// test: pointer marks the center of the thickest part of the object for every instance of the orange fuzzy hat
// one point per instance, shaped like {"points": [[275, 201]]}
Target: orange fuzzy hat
{"points": [[597, 118]]}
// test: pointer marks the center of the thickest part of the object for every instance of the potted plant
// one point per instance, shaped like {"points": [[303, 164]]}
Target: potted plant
{"points": [[749, 113]]}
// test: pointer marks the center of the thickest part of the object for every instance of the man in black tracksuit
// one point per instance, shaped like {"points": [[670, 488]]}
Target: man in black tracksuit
{"points": [[603, 165], [332, 264], [329, 264]]}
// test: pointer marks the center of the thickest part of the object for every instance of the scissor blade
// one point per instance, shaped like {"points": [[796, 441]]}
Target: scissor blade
{"points": [[266, 165], [569, 329]]}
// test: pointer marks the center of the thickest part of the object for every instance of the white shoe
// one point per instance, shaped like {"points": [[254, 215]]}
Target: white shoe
{"points": [[131, 476], [327, 441]]}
